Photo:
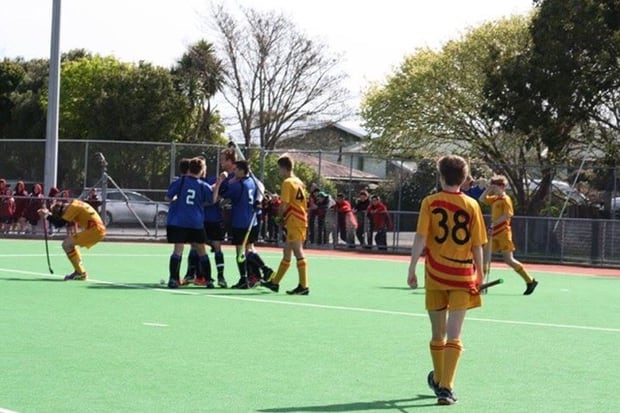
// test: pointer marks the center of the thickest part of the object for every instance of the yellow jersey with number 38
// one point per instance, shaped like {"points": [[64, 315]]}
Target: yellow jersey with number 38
{"points": [[294, 195], [452, 223]]}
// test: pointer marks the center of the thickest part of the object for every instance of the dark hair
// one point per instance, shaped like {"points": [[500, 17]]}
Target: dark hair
{"points": [[340, 195], [229, 154], [499, 180], [364, 192], [243, 166], [285, 162], [184, 166], [196, 166], [453, 169]]}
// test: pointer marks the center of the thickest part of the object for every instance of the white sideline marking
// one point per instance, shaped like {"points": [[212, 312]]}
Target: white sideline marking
{"points": [[148, 324], [3, 410], [319, 306]]}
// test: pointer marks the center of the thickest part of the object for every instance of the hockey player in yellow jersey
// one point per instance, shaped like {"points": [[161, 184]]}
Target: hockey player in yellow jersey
{"points": [[76, 214], [451, 231], [294, 216], [500, 231]]}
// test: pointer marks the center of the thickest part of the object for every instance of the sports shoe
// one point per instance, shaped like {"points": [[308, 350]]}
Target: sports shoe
{"points": [[430, 379], [209, 284], [202, 281], [267, 274], [189, 279], [242, 284], [299, 290], [530, 287], [221, 282], [446, 397], [173, 283], [273, 287], [76, 276]]}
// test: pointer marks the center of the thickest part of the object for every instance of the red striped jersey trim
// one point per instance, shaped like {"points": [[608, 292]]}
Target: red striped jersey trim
{"points": [[462, 271]]}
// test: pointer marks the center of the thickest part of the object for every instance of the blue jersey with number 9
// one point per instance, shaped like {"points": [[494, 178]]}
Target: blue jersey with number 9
{"points": [[189, 195]]}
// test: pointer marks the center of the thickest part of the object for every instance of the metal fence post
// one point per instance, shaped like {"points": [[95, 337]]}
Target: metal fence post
{"points": [[86, 165], [173, 155]]}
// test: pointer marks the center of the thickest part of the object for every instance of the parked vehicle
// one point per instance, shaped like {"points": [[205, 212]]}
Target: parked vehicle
{"points": [[118, 212]]}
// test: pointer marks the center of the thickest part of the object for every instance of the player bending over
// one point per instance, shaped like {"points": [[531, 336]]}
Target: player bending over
{"points": [[451, 230], [75, 213], [500, 231]]}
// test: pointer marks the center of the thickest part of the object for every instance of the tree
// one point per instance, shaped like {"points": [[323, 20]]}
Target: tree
{"points": [[435, 104], [561, 80], [276, 79], [199, 75], [105, 99]]}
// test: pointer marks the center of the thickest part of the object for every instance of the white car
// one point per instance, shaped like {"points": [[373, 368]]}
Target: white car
{"points": [[118, 212]]}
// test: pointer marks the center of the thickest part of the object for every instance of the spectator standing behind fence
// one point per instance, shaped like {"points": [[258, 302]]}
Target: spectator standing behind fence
{"points": [[35, 202], [322, 206], [360, 208], [21, 201], [93, 199], [380, 222], [346, 222], [274, 227], [313, 214], [7, 207]]}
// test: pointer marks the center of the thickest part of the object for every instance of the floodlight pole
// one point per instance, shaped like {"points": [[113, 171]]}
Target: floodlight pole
{"points": [[51, 135]]}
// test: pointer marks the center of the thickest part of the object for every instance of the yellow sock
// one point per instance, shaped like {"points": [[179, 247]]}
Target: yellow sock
{"points": [[281, 271], [521, 271], [76, 260], [302, 269], [451, 356], [437, 352]]}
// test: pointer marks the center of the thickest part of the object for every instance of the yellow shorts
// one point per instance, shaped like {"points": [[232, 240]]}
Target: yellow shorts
{"points": [[295, 233], [88, 237], [502, 243], [451, 299]]}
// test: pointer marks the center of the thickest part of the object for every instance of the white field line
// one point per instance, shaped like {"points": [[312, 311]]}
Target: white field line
{"points": [[321, 306]]}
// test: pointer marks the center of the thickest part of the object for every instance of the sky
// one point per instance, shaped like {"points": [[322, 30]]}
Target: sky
{"points": [[373, 36]]}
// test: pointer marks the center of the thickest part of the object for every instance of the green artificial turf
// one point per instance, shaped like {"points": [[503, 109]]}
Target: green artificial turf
{"points": [[358, 343]]}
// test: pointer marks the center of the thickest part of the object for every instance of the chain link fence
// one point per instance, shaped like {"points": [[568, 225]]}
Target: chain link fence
{"points": [[588, 232]]}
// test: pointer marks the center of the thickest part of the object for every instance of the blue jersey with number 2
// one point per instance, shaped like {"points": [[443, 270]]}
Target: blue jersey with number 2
{"points": [[187, 210]]}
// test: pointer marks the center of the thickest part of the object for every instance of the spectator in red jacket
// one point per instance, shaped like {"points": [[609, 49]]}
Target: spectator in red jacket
{"points": [[35, 203], [7, 207], [380, 222], [347, 224]]}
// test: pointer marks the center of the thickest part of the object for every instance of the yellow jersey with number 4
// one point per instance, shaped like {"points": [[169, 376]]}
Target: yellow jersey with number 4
{"points": [[294, 196], [452, 224]]}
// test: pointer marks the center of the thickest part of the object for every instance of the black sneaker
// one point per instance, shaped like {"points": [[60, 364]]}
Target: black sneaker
{"points": [[430, 379], [273, 287], [299, 290], [530, 287], [221, 282], [267, 274], [209, 284], [189, 279], [242, 284], [446, 397], [173, 283]]}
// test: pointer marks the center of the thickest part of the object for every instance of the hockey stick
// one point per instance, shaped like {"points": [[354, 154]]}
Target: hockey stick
{"points": [[484, 286], [47, 249]]}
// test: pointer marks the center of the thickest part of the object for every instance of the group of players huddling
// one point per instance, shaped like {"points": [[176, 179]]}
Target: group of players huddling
{"points": [[195, 217]]}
